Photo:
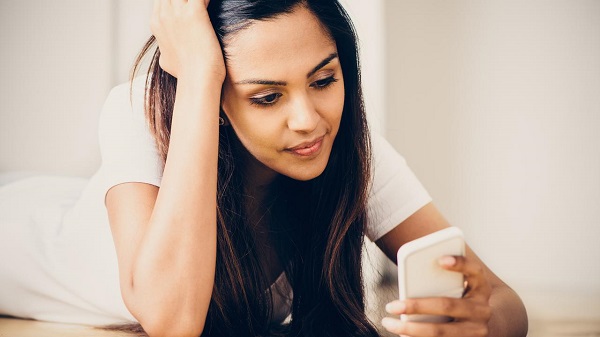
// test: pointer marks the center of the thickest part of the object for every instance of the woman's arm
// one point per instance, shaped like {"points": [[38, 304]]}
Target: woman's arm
{"points": [[166, 238], [490, 306]]}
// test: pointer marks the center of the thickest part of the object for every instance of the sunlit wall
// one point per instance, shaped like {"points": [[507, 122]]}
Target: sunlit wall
{"points": [[496, 105]]}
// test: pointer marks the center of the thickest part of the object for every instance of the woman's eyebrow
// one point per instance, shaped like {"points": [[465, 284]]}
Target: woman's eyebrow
{"points": [[283, 83], [322, 64], [263, 82]]}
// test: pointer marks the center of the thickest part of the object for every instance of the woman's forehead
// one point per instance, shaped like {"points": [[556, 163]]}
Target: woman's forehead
{"points": [[273, 48]]}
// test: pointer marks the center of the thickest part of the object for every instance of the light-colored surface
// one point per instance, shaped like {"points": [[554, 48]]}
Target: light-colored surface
{"points": [[564, 329], [366, 17], [27, 328], [55, 65], [59, 60], [379, 295], [495, 105], [24, 328]]}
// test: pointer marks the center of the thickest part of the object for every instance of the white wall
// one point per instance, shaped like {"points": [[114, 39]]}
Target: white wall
{"points": [[367, 17], [496, 105], [59, 59], [132, 29], [55, 75]]}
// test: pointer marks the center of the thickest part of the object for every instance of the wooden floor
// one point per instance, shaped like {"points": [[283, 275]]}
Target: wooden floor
{"points": [[26, 328]]}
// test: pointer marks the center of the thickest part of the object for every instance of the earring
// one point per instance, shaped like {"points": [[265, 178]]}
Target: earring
{"points": [[221, 121]]}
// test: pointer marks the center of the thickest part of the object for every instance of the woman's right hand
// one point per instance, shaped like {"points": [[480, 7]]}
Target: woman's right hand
{"points": [[186, 38]]}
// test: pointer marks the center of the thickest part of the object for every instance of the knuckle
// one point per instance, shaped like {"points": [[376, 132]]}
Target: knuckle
{"points": [[460, 262], [190, 14], [487, 288], [436, 330], [486, 313], [411, 306], [478, 269], [447, 304], [164, 17]]}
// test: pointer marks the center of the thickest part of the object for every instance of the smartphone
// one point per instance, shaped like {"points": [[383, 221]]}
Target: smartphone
{"points": [[420, 275]]}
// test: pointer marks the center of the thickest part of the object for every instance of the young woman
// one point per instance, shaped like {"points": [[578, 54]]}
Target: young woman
{"points": [[237, 184]]}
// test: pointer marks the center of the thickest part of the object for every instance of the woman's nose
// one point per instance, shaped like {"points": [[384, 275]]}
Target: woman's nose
{"points": [[303, 116]]}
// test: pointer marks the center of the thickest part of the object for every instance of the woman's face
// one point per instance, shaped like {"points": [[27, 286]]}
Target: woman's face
{"points": [[284, 94]]}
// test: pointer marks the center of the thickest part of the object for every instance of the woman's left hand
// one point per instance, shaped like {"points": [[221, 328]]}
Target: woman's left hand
{"points": [[470, 314]]}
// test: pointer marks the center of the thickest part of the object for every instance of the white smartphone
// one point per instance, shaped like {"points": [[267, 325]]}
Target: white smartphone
{"points": [[420, 275]]}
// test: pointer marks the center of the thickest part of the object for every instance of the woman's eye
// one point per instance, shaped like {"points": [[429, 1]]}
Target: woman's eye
{"points": [[323, 83], [265, 100]]}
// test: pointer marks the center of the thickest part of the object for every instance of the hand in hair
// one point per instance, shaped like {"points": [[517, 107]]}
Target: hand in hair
{"points": [[186, 39], [471, 313]]}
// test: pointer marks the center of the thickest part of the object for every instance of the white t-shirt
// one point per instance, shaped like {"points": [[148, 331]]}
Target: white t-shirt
{"points": [[58, 257]]}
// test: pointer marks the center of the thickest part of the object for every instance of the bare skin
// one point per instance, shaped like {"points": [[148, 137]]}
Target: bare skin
{"points": [[489, 307], [160, 233]]}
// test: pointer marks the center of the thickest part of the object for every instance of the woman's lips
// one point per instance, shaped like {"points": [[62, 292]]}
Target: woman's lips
{"points": [[307, 149]]}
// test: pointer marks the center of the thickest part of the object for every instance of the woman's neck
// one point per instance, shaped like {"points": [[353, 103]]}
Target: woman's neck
{"points": [[257, 177]]}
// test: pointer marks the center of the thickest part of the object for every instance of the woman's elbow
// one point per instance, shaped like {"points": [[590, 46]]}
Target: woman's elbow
{"points": [[165, 321], [167, 327]]}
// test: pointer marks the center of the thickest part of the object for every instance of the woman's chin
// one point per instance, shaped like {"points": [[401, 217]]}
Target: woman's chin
{"points": [[306, 174]]}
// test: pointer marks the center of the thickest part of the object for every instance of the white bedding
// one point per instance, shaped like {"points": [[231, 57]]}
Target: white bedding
{"points": [[50, 268]]}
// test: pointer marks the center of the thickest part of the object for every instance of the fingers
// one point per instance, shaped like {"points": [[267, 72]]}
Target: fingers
{"points": [[186, 38], [179, 5], [416, 329], [155, 14], [156, 7], [442, 306], [161, 7], [158, 13], [471, 313], [475, 276]]}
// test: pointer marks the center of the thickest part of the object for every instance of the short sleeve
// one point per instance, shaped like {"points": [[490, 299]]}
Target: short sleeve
{"points": [[127, 147], [395, 194]]}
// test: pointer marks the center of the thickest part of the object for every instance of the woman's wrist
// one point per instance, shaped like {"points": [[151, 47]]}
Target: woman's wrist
{"points": [[202, 77]]}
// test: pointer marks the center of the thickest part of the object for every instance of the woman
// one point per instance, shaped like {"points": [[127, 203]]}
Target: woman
{"points": [[247, 195]]}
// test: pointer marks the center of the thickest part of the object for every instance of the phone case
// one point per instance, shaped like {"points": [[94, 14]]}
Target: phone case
{"points": [[420, 275]]}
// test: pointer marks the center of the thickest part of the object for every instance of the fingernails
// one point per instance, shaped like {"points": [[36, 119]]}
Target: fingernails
{"points": [[447, 261], [395, 307], [391, 324]]}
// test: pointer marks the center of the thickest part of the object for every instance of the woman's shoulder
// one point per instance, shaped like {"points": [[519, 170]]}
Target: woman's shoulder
{"points": [[396, 192], [124, 134], [384, 154], [126, 97], [123, 109]]}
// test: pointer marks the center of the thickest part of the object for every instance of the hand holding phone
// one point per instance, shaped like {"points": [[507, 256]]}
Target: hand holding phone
{"points": [[419, 272]]}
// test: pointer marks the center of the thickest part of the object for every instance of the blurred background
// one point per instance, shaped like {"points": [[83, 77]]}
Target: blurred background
{"points": [[495, 105]]}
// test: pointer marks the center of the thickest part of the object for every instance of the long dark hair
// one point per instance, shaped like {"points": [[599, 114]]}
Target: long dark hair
{"points": [[317, 225]]}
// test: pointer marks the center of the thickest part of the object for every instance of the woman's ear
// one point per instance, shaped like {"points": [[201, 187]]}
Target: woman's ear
{"points": [[223, 120]]}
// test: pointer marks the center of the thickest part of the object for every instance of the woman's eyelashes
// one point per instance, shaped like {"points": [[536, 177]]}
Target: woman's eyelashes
{"points": [[272, 98], [266, 100], [324, 83]]}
